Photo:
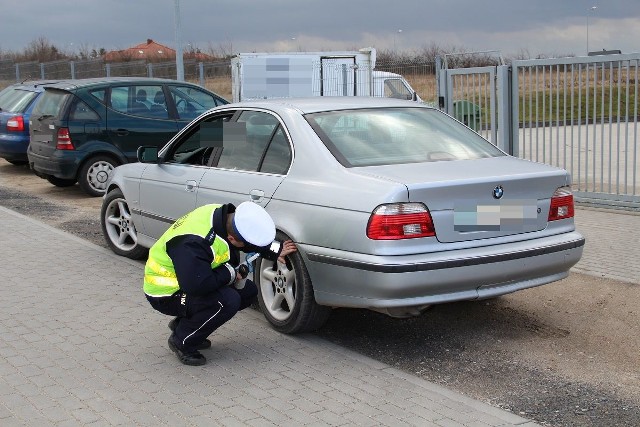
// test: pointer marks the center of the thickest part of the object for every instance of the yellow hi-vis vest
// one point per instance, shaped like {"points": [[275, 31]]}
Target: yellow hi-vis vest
{"points": [[159, 274]]}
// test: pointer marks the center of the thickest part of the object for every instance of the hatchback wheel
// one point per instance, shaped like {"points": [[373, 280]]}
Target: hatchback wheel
{"points": [[285, 295], [95, 173], [59, 182], [118, 228]]}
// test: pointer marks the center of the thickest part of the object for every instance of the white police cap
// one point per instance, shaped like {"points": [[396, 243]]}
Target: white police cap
{"points": [[253, 224]]}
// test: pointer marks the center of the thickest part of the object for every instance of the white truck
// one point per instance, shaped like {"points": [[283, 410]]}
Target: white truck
{"points": [[305, 74]]}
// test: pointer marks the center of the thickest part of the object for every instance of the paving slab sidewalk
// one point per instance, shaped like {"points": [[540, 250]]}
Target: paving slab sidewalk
{"points": [[612, 247], [80, 346]]}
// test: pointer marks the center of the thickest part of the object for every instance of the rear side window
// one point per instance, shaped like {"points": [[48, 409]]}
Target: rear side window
{"points": [[15, 100], [81, 111], [51, 103]]}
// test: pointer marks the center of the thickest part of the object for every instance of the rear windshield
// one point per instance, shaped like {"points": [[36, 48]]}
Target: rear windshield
{"points": [[387, 136], [51, 103], [15, 100]]}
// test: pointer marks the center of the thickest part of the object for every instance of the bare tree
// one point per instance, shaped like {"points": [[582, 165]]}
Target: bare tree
{"points": [[41, 50]]}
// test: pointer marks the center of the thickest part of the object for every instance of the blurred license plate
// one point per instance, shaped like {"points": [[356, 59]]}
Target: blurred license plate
{"points": [[508, 215]]}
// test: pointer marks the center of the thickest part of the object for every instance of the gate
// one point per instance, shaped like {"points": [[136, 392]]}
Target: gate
{"points": [[580, 114]]}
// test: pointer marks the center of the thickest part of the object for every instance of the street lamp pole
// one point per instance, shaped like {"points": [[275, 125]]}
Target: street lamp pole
{"points": [[394, 40], [179, 59], [591, 9]]}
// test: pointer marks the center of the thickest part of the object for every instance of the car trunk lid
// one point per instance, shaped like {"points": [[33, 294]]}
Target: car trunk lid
{"points": [[46, 121], [479, 199]]}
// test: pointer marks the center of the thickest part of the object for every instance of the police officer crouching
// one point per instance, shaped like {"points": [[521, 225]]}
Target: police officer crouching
{"points": [[192, 272]]}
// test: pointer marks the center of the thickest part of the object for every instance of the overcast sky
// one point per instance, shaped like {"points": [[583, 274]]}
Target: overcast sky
{"points": [[547, 27]]}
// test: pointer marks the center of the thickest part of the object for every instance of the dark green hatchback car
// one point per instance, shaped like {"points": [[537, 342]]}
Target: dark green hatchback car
{"points": [[80, 130]]}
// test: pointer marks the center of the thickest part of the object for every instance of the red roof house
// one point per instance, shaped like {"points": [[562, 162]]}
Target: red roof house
{"points": [[151, 51]]}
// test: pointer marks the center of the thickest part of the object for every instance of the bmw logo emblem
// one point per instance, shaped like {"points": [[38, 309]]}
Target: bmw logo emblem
{"points": [[498, 192]]}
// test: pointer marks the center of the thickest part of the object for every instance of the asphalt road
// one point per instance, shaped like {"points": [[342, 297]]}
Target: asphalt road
{"points": [[564, 354]]}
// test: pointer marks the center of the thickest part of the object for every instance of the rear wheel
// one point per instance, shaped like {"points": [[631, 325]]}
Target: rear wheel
{"points": [[118, 228], [285, 295], [95, 173], [59, 182]]}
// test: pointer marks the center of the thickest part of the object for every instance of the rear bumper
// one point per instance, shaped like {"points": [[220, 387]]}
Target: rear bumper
{"points": [[14, 147], [343, 279], [63, 164]]}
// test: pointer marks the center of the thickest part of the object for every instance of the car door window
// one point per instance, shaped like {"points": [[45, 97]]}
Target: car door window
{"points": [[191, 102], [278, 156], [201, 144], [140, 100], [246, 140], [100, 95], [395, 88]]}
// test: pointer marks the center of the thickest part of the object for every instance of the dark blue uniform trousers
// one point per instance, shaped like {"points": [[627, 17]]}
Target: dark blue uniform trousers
{"points": [[200, 315]]}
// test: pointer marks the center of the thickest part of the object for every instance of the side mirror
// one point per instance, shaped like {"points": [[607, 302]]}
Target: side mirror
{"points": [[147, 154]]}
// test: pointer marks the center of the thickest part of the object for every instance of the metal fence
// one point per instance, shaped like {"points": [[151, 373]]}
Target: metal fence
{"points": [[580, 114], [215, 76]]}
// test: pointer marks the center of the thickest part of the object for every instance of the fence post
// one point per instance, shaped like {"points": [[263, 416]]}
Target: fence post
{"points": [[17, 72], [505, 109], [441, 88], [515, 112], [201, 72], [108, 69], [150, 69], [42, 71], [73, 70]]}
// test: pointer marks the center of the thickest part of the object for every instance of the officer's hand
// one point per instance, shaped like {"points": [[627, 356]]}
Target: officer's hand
{"points": [[288, 247]]}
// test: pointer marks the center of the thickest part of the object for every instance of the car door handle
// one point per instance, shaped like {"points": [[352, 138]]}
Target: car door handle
{"points": [[191, 185], [256, 195], [122, 132]]}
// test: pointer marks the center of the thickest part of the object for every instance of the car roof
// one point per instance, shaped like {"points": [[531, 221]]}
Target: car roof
{"points": [[80, 83], [327, 103]]}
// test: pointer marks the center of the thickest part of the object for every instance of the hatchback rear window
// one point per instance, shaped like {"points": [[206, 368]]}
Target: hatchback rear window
{"points": [[14, 100], [387, 136], [51, 103]]}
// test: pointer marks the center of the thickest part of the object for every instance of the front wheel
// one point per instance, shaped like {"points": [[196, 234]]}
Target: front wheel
{"points": [[285, 295], [118, 228], [95, 173]]}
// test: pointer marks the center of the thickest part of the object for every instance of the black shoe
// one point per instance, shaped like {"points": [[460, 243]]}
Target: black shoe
{"points": [[191, 359], [173, 324]]}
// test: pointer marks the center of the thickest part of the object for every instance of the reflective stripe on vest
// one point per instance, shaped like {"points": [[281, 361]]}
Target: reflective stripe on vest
{"points": [[159, 275]]}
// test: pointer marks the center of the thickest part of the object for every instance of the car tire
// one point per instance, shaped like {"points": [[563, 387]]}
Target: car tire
{"points": [[118, 228], [60, 182], [285, 295], [95, 173]]}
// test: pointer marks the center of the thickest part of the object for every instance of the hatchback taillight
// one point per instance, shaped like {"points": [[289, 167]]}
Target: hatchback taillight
{"points": [[400, 221], [15, 124], [561, 204], [63, 141]]}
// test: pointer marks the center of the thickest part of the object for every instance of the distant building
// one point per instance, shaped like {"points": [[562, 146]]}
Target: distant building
{"points": [[152, 51]]}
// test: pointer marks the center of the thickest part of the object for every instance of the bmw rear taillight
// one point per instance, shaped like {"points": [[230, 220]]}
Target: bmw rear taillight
{"points": [[400, 221], [15, 124], [63, 141], [561, 204]]}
